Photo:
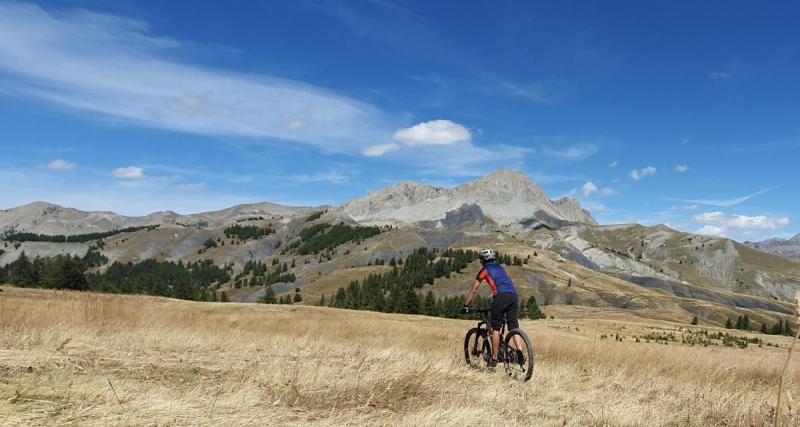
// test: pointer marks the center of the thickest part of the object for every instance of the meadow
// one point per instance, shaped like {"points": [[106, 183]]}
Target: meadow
{"points": [[71, 358]]}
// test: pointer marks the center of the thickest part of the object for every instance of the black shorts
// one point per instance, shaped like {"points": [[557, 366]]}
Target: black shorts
{"points": [[505, 303]]}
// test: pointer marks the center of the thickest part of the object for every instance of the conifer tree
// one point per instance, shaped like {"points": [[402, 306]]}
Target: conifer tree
{"points": [[269, 295]]}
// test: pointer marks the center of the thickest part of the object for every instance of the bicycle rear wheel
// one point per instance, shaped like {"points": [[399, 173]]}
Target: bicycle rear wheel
{"points": [[477, 350], [519, 358]]}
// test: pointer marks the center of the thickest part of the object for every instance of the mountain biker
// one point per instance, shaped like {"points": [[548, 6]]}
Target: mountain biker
{"points": [[504, 300]]}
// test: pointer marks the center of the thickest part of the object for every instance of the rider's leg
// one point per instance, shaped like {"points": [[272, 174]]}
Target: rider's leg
{"points": [[495, 344], [513, 323]]}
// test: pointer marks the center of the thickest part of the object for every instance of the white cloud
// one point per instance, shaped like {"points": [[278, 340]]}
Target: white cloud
{"points": [[61, 165], [434, 132], [681, 168], [379, 149], [608, 191], [710, 217], [719, 223], [573, 152], [588, 188], [331, 177], [638, 174], [114, 67], [128, 172], [194, 186], [614, 164], [758, 222], [712, 230]]}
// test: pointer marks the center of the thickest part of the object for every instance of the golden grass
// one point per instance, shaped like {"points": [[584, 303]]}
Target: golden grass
{"points": [[89, 359]]}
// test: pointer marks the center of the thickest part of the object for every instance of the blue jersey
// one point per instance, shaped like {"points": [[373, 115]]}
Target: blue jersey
{"points": [[497, 278]]}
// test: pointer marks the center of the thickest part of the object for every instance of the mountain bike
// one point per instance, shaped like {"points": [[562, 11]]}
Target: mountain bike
{"points": [[517, 361]]}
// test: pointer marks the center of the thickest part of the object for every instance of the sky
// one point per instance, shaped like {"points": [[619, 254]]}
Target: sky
{"points": [[677, 113]]}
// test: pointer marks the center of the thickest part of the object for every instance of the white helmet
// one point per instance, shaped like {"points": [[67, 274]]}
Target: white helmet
{"points": [[488, 255]]}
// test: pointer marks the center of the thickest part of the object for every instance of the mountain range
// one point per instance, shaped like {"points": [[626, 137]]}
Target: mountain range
{"points": [[570, 258]]}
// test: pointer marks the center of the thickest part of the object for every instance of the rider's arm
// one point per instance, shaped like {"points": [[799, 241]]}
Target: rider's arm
{"points": [[472, 292]]}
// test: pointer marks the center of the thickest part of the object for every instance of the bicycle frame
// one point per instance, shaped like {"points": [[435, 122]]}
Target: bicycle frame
{"points": [[487, 325]]}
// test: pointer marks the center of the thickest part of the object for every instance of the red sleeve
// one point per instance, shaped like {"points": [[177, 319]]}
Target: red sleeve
{"points": [[482, 275]]}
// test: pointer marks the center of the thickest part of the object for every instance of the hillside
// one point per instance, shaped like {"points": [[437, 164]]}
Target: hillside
{"points": [[100, 359], [651, 272]]}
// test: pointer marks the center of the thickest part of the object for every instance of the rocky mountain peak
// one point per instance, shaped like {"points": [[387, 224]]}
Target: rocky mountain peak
{"points": [[506, 196]]}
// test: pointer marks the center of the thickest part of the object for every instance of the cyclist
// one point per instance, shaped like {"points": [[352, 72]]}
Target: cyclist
{"points": [[504, 301]]}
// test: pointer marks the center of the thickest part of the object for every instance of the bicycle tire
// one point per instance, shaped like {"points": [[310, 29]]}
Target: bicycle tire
{"points": [[476, 348], [516, 370]]}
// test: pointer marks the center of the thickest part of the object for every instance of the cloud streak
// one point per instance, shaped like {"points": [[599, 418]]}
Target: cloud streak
{"points": [[130, 172], [114, 67], [573, 152], [726, 203]]}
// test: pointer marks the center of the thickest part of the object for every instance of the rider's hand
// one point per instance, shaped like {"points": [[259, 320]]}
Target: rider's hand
{"points": [[465, 309]]}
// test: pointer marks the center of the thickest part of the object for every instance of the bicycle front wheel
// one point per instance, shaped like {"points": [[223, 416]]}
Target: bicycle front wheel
{"points": [[519, 358], [477, 351]]}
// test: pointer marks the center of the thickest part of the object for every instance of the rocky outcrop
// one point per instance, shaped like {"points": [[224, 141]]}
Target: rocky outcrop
{"points": [[466, 217], [507, 197]]}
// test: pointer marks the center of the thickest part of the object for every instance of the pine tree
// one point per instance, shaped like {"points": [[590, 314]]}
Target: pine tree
{"points": [[787, 328], [694, 320], [533, 310], [764, 329], [223, 297], [298, 297], [746, 323], [739, 323], [728, 324], [430, 304], [322, 300], [269, 295]]}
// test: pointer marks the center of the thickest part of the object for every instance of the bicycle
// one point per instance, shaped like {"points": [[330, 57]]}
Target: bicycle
{"points": [[518, 362]]}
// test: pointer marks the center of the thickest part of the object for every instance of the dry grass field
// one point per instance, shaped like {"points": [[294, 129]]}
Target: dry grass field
{"points": [[87, 359]]}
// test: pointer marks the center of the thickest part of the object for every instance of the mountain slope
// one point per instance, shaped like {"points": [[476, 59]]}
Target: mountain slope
{"points": [[789, 248], [505, 196]]}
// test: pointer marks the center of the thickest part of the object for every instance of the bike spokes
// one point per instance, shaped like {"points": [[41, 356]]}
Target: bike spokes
{"points": [[519, 359]]}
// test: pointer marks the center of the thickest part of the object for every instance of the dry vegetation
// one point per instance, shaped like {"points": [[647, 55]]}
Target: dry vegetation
{"points": [[70, 358]]}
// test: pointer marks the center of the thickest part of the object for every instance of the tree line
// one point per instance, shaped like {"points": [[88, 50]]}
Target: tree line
{"points": [[245, 232], [321, 237], [261, 275], [396, 291], [743, 323], [191, 281], [79, 238]]}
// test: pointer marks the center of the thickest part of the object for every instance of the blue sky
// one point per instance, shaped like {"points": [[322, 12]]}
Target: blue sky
{"points": [[679, 113]]}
